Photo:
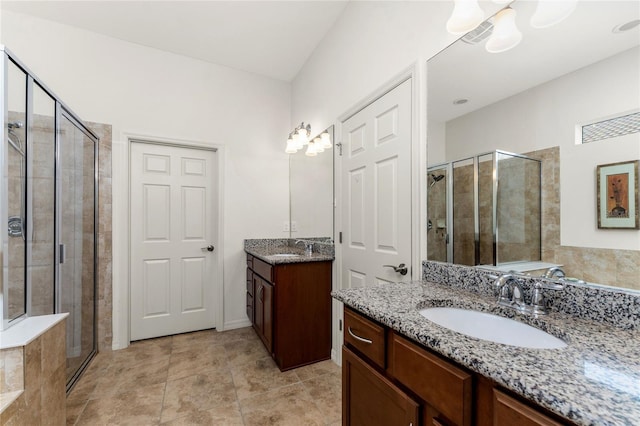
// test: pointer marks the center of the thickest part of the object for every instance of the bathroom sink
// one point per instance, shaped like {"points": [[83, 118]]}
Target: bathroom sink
{"points": [[493, 328], [285, 255]]}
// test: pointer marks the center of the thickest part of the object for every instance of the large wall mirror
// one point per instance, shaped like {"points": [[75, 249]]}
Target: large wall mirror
{"points": [[535, 100], [311, 193]]}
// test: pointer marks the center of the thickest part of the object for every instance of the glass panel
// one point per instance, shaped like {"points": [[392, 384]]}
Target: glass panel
{"points": [[42, 158], [76, 287], [14, 290], [485, 208], [518, 209], [463, 213], [437, 198]]}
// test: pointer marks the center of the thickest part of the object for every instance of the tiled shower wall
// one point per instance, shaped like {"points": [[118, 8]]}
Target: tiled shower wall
{"points": [[437, 214]]}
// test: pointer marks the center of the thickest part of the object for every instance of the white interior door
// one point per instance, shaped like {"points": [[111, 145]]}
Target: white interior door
{"points": [[173, 201], [376, 191]]}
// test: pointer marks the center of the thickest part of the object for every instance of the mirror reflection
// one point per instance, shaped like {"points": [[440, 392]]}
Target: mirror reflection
{"points": [[534, 100], [311, 192]]}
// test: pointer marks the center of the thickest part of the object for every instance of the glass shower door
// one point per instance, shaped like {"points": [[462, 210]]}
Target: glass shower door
{"points": [[76, 254]]}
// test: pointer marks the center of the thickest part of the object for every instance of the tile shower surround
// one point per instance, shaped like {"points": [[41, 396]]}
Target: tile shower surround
{"points": [[608, 306]]}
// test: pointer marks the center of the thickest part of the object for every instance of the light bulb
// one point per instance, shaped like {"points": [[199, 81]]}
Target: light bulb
{"points": [[466, 16], [291, 147], [317, 144], [301, 135], [551, 12], [326, 140], [311, 150], [505, 34]]}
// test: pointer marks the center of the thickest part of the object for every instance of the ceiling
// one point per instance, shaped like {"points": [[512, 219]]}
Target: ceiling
{"points": [[270, 38], [470, 72]]}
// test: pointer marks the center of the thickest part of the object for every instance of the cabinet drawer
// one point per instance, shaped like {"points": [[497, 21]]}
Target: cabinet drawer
{"points": [[250, 261], [263, 269], [365, 336], [509, 411], [439, 383]]}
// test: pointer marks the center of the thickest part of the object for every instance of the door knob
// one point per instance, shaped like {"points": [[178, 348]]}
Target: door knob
{"points": [[208, 248], [401, 268]]}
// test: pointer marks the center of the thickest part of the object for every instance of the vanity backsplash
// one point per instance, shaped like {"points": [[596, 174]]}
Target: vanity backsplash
{"points": [[610, 306], [321, 245]]}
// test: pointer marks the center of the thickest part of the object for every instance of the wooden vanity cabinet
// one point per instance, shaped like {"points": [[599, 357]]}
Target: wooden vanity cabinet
{"points": [[406, 373], [291, 310]]}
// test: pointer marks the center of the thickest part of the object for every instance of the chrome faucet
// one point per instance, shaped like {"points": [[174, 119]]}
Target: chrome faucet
{"points": [[511, 295], [510, 292], [308, 247], [554, 271]]}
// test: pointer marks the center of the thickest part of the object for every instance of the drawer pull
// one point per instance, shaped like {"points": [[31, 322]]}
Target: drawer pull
{"points": [[362, 339]]}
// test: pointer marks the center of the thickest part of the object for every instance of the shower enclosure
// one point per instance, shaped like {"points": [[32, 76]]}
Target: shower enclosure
{"points": [[48, 202], [485, 210]]}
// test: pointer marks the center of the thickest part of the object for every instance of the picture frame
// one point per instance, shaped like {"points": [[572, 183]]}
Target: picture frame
{"points": [[617, 194]]}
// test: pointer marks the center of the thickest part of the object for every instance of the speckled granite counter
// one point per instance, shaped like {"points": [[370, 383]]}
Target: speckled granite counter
{"points": [[265, 249], [593, 381]]}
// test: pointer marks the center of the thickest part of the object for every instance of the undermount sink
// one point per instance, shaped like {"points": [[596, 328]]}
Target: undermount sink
{"points": [[493, 328], [285, 255]]}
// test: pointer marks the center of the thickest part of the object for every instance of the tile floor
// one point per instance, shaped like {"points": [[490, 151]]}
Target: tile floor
{"points": [[203, 378]]}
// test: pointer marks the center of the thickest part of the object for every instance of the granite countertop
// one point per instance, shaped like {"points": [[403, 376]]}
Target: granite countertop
{"points": [[595, 380], [265, 249]]}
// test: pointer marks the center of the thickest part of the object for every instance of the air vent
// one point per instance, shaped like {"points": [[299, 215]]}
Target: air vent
{"points": [[478, 35], [611, 128]]}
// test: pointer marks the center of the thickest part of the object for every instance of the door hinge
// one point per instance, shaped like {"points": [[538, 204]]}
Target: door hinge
{"points": [[339, 325], [339, 145], [340, 237]]}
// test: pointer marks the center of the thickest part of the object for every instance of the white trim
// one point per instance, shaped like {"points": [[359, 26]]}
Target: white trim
{"points": [[121, 230], [231, 325], [417, 74]]}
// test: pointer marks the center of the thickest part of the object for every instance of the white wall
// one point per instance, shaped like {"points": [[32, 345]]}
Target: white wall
{"points": [[369, 44], [546, 116], [150, 92]]}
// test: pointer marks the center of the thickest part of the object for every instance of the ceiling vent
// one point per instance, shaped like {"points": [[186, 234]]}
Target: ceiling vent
{"points": [[612, 127], [478, 35]]}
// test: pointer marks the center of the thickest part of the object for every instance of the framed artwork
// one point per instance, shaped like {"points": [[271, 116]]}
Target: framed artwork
{"points": [[618, 195]]}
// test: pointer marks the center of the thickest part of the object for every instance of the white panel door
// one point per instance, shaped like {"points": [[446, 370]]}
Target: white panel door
{"points": [[172, 228], [376, 190]]}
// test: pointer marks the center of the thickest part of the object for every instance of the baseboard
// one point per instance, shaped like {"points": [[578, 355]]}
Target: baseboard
{"points": [[335, 357], [230, 325]]}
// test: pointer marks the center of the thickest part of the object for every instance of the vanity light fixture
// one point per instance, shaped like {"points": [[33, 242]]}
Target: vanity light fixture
{"points": [[505, 34], [466, 16], [299, 137], [551, 12]]}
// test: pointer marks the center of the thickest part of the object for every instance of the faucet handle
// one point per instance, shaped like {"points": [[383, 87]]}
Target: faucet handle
{"points": [[548, 285]]}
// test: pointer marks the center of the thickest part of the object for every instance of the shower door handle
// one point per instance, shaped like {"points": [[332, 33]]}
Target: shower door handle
{"points": [[63, 254]]}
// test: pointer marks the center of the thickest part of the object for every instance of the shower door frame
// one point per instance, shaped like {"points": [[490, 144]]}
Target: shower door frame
{"points": [[61, 110]]}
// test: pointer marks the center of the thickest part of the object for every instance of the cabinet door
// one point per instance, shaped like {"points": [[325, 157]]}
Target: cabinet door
{"points": [[250, 291], [369, 399], [258, 309], [510, 411], [267, 312]]}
